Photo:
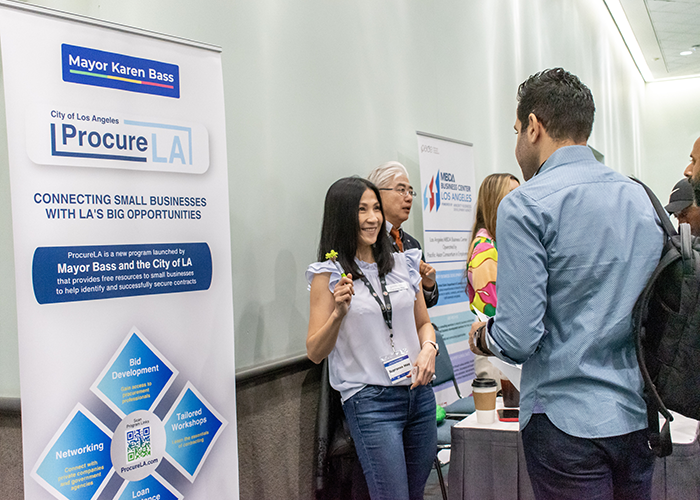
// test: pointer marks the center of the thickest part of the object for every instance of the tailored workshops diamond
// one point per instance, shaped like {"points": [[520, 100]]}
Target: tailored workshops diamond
{"points": [[191, 428]]}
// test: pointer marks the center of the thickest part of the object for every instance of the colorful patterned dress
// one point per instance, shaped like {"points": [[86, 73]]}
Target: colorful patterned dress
{"points": [[481, 274]]}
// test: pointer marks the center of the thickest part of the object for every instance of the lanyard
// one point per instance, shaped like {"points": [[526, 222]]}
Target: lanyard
{"points": [[386, 309]]}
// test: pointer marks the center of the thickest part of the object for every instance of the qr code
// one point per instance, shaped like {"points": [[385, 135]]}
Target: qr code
{"points": [[138, 444]]}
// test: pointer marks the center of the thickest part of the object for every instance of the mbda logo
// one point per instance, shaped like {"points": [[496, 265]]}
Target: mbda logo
{"points": [[431, 194]]}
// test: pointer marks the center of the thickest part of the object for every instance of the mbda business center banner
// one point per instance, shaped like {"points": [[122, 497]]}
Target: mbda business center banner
{"points": [[119, 190], [448, 195]]}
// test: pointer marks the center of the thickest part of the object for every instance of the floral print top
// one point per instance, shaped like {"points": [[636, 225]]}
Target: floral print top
{"points": [[481, 274]]}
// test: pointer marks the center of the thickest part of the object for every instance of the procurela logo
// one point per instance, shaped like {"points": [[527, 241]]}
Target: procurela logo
{"points": [[431, 194], [77, 136], [118, 71], [128, 140]]}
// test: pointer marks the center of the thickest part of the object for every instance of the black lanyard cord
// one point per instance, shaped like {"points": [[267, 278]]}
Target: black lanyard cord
{"points": [[386, 309]]}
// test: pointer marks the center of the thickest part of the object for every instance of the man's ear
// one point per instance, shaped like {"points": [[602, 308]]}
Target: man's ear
{"points": [[534, 129]]}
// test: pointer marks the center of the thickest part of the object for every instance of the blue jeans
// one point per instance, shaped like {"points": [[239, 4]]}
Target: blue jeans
{"points": [[565, 467], [395, 434]]}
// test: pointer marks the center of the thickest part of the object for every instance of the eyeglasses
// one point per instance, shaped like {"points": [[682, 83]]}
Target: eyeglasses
{"points": [[401, 190]]}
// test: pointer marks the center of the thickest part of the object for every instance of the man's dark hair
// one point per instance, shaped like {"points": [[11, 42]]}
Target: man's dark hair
{"points": [[560, 101], [341, 226]]}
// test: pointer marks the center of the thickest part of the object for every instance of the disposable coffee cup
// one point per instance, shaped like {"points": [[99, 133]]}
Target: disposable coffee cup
{"points": [[484, 391]]}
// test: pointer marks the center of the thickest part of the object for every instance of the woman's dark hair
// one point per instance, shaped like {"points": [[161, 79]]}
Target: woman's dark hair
{"points": [[341, 226]]}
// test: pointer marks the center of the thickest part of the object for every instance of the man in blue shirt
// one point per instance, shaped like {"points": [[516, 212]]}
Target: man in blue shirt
{"points": [[576, 245]]}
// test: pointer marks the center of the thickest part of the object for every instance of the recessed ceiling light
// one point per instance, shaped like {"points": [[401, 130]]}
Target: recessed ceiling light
{"points": [[686, 52]]}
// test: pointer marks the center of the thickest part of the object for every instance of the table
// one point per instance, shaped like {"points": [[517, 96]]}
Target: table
{"points": [[487, 463]]}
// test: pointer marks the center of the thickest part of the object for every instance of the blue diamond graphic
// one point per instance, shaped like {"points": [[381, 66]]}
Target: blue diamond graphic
{"points": [[77, 464], [152, 486], [191, 428], [135, 378]]}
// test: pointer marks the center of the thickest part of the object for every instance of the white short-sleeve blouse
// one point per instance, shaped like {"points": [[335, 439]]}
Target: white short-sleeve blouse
{"points": [[363, 339]]}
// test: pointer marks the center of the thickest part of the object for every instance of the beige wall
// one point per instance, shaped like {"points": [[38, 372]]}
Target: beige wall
{"points": [[671, 126]]}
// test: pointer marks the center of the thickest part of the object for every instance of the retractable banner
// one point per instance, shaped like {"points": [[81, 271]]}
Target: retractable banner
{"points": [[448, 195], [117, 158]]}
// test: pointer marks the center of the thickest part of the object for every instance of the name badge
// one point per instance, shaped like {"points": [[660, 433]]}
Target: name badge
{"points": [[398, 366], [397, 287]]}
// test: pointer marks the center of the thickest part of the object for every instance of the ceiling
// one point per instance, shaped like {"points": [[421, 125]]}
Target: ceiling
{"points": [[656, 32]]}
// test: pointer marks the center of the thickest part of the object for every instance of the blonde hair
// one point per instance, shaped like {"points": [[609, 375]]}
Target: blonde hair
{"points": [[492, 190]]}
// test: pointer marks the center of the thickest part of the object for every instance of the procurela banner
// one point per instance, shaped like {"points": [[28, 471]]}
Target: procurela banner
{"points": [[116, 145]]}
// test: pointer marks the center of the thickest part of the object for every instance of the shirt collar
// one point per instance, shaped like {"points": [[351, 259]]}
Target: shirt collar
{"points": [[389, 226], [567, 154]]}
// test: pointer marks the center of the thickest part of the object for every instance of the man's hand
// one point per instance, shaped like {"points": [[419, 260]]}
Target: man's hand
{"points": [[472, 344], [427, 272]]}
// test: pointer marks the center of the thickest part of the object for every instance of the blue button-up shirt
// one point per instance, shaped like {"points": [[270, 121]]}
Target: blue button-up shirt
{"points": [[576, 245]]}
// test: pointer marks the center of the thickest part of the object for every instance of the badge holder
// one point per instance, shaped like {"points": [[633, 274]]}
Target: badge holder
{"points": [[398, 366]]}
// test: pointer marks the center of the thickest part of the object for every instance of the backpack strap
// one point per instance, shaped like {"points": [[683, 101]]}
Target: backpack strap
{"points": [[639, 314], [666, 223], [687, 249], [659, 440]]}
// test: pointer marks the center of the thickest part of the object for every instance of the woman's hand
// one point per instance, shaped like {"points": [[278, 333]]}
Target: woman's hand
{"points": [[327, 311], [342, 295], [424, 367]]}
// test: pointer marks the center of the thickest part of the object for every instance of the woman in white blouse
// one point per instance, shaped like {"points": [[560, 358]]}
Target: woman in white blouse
{"points": [[374, 327]]}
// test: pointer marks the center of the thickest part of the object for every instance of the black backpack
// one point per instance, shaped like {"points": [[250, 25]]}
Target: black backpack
{"points": [[667, 327]]}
